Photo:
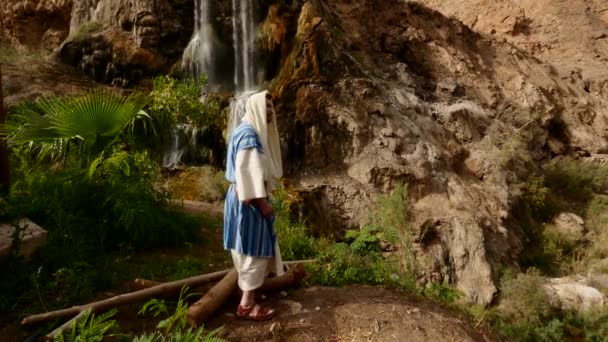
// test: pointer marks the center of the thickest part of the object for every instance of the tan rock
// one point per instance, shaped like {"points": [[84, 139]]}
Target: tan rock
{"points": [[574, 293], [569, 224], [32, 238]]}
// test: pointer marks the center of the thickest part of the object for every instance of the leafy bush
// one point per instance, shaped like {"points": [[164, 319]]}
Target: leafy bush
{"points": [[576, 180], [524, 298], [179, 101], [294, 240], [86, 215], [597, 221], [361, 261]]}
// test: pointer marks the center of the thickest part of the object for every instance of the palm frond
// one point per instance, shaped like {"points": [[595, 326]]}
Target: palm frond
{"points": [[90, 121]]}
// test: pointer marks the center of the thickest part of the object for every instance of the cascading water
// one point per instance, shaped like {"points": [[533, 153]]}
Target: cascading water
{"points": [[245, 70], [198, 56], [243, 35], [184, 138]]}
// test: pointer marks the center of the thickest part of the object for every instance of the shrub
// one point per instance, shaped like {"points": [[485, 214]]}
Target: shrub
{"points": [[294, 239], [179, 101], [524, 298], [576, 180], [597, 221]]}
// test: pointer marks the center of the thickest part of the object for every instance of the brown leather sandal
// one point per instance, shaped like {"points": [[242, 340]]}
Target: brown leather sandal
{"points": [[263, 313]]}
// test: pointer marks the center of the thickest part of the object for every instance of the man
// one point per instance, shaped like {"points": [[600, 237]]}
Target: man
{"points": [[253, 165]]}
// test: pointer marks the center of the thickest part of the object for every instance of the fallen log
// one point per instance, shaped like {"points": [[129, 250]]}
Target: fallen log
{"points": [[127, 298], [204, 308], [141, 284], [289, 278], [212, 300]]}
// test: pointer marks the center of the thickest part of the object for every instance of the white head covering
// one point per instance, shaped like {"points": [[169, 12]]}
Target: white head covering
{"points": [[255, 115]]}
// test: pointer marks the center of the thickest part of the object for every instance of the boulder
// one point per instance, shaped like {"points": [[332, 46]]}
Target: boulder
{"points": [[574, 293], [569, 225], [32, 237]]}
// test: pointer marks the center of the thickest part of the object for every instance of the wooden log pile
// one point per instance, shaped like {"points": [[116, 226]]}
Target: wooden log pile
{"points": [[212, 299]]}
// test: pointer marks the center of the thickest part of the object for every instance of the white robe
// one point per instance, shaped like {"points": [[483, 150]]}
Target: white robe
{"points": [[249, 172]]}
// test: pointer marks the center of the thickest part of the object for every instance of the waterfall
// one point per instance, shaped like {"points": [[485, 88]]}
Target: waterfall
{"points": [[243, 35], [184, 139], [198, 56]]}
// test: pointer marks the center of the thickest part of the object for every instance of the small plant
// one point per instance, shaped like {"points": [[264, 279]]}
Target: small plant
{"points": [[294, 239], [174, 326], [442, 292], [90, 329], [524, 298]]}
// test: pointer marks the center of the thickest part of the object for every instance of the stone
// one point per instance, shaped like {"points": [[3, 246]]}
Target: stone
{"points": [[32, 238], [574, 293], [569, 224]]}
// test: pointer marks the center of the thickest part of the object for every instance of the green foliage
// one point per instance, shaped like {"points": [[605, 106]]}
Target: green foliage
{"points": [[173, 327], [576, 180], [188, 335], [524, 298], [294, 240], [179, 101], [88, 215], [85, 125], [597, 221], [360, 260], [442, 292], [364, 241], [538, 199], [90, 329]]}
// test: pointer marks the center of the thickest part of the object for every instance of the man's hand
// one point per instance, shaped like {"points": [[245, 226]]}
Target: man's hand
{"points": [[263, 205]]}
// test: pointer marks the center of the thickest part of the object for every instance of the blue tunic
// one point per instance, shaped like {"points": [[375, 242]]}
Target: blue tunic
{"points": [[245, 230]]}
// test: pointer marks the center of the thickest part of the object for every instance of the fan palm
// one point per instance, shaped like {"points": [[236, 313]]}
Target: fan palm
{"points": [[87, 123]]}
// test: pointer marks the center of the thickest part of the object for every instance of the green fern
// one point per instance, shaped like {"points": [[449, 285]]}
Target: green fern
{"points": [[91, 329], [188, 335]]}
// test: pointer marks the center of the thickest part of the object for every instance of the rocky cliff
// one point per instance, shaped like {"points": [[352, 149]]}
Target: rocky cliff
{"points": [[377, 92]]}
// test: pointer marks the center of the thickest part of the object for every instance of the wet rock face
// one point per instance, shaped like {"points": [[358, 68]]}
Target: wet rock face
{"points": [[412, 96], [114, 41], [34, 24]]}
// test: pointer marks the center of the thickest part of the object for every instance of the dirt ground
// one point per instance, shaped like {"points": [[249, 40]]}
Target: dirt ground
{"points": [[354, 313]]}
